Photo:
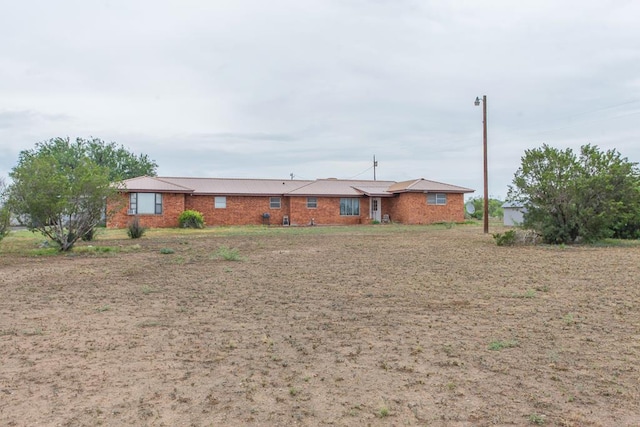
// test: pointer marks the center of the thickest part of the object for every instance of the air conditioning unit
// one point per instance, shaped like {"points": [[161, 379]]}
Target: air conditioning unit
{"points": [[131, 212]]}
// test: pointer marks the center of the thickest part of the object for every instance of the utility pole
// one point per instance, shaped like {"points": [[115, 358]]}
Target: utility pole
{"points": [[375, 165], [485, 213]]}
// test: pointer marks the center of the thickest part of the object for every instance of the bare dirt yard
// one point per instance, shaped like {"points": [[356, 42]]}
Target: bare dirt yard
{"points": [[353, 326]]}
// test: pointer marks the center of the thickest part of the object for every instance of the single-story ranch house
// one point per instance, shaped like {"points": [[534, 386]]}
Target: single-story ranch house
{"points": [[158, 201]]}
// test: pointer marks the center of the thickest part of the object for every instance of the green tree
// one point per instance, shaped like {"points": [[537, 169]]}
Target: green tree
{"points": [[64, 200], [5, 216], [591, 195], [495, 208], [121, 163]]}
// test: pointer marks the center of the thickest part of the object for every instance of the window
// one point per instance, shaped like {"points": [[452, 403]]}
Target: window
{"points": [[312, 202], [350, 207], [436, 199], [274, 203], [145, 203], [220, 202]]}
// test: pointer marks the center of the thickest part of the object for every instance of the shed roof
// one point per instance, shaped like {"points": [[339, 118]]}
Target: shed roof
{"points": [[512, 204]]}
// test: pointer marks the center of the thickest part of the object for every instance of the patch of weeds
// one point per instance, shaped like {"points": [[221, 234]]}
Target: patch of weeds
{"points": [[544, 288], [167, 251], [179, 260], [90, 249], [530, 293], [501, 345], [536, 419], [568, 319], [383, 412], [228, 254], [44, 251], [293, 391], [102, 308], [6, 332], [508, 238], [451, 386], [131, 248], [148, 290], [33, 332]]}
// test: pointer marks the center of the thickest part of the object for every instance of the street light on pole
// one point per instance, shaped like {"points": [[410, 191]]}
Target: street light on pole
{"points": [[485, 214]]}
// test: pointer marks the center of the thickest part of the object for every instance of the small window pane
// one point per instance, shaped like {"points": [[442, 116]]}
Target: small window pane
{"points": [[220, 202], [274, 203], [158, 203], [436, 199], [312, 202], [133, 203]]}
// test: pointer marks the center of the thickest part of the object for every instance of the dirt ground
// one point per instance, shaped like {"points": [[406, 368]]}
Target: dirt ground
{"points": [[353, 326]]}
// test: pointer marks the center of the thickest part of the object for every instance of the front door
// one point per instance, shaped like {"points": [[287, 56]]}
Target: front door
{"points": [[374, 208]]}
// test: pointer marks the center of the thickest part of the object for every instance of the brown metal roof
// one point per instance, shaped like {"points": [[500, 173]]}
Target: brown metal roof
{"points": [[272, 187], [339, 187], [151, 184], [232, 186], [426, 186]]}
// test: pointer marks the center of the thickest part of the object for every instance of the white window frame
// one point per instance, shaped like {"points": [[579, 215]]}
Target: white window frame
{"points": [[312, 202], [437, 199], [349, 206], [275, 203], [220, 202]]}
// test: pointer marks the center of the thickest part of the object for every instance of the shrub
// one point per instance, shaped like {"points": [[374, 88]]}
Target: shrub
{"points": [[5, 222], [134, 229], [191, 219], [508, 238]]}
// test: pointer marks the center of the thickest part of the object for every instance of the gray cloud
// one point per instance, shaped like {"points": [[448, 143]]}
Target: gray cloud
{"points": [[316, 88]]}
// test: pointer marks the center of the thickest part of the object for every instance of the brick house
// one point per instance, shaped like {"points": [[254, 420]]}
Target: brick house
{"points": [[158, 201]]}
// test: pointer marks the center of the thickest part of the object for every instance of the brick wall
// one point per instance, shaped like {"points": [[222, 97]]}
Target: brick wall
{"points": [[412, 208], [327, 212], [172, 206], [406, 208], [240, 210]]}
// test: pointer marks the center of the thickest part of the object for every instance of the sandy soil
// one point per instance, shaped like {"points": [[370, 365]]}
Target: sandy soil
{"points": [[349, 327]]}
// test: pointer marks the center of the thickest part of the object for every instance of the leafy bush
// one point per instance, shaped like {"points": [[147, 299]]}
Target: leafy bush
{"points": [[134, 229], [508, 238], [580, 196], [166, 251], [191, 219], [5, 222]]}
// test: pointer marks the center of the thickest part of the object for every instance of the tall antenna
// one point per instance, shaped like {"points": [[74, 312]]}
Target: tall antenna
{"points": [[375, 165], [291, 175]]}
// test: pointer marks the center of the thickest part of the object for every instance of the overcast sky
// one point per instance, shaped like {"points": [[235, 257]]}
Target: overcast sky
{"points": [[264, 89]]}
